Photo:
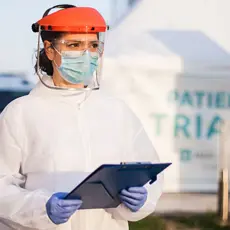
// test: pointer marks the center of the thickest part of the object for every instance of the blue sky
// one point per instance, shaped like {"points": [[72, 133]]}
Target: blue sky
{"points": [[18, 42]]}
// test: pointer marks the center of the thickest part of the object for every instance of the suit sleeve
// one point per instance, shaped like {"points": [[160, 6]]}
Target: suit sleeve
{"points": [[18, 207]]}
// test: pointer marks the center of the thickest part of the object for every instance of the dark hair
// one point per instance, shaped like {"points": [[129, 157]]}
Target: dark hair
{"points": [[45, 64]]}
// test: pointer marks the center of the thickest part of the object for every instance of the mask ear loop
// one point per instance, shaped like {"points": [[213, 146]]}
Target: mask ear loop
{"points": [[98, 71], [95, 81], [53, 47]]}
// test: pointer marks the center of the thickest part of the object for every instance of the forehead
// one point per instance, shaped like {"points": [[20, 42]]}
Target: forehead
{"points": [[80, 36]]}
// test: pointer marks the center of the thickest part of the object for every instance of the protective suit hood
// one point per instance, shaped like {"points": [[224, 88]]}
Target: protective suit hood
{"points": [[75, 96]]}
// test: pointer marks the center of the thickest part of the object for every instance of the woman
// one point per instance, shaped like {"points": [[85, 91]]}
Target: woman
{"points": [[64, 129]]}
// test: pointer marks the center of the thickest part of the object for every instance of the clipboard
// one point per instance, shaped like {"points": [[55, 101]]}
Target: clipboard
{"points": [[100, 190]]}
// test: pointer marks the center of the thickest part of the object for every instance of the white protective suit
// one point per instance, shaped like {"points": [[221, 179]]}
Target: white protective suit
{"points": [[50, 140]]}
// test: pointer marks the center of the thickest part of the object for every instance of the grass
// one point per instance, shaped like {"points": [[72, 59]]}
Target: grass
{"points": [[208, 221], [149, 223]]}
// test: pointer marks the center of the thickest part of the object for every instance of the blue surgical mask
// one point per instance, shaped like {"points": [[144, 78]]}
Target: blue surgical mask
{"points": [[78, 68]]}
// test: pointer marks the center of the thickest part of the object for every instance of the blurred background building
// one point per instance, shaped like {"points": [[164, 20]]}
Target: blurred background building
{"points": [[168, 59]]}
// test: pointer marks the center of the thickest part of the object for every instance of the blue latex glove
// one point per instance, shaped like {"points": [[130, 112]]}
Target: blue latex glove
{"points": [[60, 210], [134, 198]]}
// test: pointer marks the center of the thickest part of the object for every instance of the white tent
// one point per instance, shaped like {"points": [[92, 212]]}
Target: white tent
{"points": [[176, 31], [166, 49]]}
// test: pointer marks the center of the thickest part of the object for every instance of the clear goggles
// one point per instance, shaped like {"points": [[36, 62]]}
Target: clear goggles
{"points": [[95, 47], [75, 58]]}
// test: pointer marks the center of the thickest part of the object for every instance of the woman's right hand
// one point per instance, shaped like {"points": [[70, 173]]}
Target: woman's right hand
{"points": [[60, 210]]}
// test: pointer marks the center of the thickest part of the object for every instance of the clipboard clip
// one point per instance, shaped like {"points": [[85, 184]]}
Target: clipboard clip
{"points": [[137, 163], [140, 163], [153, 180]]}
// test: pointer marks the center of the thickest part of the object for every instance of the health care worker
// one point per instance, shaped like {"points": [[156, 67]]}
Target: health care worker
{"points": [[64, 129]]}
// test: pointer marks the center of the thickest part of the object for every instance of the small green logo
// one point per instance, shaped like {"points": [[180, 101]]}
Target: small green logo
{"points": [[185, 155]]}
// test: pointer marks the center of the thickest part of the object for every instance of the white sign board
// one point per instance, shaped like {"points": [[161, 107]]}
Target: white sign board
{"points": [[181, 115]]}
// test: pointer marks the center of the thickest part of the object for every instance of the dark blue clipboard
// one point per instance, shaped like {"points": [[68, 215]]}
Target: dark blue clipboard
{"points": [[101, 188]]}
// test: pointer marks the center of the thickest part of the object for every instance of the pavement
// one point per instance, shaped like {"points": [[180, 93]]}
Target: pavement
{"points": [[187, 203]]}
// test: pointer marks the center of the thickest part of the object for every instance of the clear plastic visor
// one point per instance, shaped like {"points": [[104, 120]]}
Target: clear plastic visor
{"points": [[70, 61]]}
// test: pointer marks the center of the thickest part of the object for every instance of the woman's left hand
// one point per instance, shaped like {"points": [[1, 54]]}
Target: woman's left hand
{"points": [[134, 198]]}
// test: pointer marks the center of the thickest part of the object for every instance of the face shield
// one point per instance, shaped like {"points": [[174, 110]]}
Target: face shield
{"points": [[71, 55], [75, 57]]}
